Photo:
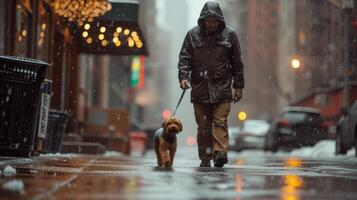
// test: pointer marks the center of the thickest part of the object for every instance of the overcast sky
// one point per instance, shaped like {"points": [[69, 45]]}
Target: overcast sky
{"points": [[195, 7]]}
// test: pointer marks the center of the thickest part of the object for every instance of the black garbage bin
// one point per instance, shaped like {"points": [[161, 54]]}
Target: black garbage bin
{"points": [[56, 127], [20, 82]]}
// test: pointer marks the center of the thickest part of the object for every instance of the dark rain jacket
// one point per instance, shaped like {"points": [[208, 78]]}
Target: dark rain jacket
{"points": [[211, 62]]}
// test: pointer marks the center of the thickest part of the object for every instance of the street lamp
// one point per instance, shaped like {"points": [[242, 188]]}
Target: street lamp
{"points": [[242, 116], [295, 63]]}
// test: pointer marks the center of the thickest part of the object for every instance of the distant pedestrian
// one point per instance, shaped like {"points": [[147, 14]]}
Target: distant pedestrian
{"points": [[210, 61]]}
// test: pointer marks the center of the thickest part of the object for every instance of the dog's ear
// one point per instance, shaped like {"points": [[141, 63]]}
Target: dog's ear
{"points": [[179, 125], [163, 125]]}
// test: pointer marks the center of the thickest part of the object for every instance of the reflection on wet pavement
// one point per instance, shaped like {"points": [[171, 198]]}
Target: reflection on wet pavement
{"points": [[245, 177]]}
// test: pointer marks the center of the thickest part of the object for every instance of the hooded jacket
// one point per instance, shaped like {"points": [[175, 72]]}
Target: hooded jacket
{"points": [[211, 62]]}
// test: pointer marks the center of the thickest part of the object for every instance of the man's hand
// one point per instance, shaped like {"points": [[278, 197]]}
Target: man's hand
{"points": [[184, 84], [238, 93]]}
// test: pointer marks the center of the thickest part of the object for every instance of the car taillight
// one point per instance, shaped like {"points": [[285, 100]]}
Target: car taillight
{"points": [[283, 123]]}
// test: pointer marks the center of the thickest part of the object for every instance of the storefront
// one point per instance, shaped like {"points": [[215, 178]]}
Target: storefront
{"points": [[43, 29]]}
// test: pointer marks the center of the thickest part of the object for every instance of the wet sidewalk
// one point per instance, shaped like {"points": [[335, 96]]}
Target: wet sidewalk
{"points": [[248, 175], [63, 176]]}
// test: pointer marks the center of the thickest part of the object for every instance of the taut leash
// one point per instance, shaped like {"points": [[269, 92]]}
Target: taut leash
{"points": [[179, 102]]}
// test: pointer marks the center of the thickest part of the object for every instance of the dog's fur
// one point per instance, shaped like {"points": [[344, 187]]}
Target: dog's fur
{"points": [[165, 141]]}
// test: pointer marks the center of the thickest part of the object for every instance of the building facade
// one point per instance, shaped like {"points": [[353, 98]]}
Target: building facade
{"points": [[257, 25], [90, 62], [321, 44]]}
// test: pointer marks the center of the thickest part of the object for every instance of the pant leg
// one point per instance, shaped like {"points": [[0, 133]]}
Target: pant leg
{"points": [[220, 126], [203, 115]]}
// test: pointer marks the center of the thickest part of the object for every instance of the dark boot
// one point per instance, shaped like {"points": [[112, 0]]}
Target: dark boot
{"points": [[220, 159], [205, 163]]}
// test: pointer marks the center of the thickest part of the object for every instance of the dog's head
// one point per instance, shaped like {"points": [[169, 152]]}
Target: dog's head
{"points": [[172, 126]]}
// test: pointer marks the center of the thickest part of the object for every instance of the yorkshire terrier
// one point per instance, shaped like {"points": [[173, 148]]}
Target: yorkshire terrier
{"points": [[165, 141]]}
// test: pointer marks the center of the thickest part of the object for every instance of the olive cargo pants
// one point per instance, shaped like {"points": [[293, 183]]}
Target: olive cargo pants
{"points": [[212, 128]]}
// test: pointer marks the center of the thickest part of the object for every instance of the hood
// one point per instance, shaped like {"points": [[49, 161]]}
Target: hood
{"points": [[212, 9]]}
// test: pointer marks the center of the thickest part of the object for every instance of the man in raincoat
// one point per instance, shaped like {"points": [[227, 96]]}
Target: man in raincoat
{"points": [[210, 61]]}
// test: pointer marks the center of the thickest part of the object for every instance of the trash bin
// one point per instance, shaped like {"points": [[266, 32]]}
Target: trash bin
{"points": [[137, 143], [20, 82], [56, 128]]}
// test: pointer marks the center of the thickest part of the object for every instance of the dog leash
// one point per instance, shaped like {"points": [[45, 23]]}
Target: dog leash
{"points": [[183, 94]]}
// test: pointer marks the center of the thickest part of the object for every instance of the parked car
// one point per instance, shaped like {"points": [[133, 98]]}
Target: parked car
{"points": [[346, 131], [233, 133], [252, 135], [296, 127]]}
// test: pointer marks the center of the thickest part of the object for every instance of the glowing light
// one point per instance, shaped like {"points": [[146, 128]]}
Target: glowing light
{"points": [[80, 10], [166, 113], [131, 42], [136, 38], [293, 181], [42, 34], [126, 32], [134, 34], [89, 40], [293, 162], [242, 116], [118, 43], [139, 45], [40, 42], [295, 63], [115, 39], [85, 34], [190, 140], [119, 29], [104, 43], [239, 183], [116, 34], [240, 162], [43, 26], [24, 33], [87, 26], [291, 185], [20, 38], [101, 36], [102, 29]]}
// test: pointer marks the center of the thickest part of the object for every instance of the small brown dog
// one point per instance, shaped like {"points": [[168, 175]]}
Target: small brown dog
{"points": [[165, 141]]}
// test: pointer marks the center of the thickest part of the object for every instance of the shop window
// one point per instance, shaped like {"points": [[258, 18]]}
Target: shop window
{"points": [[2, 27], [43, 32], [22, 27]]}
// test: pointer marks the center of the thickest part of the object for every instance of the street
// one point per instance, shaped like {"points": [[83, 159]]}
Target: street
{"points": [[249, 175], [86, 84]]}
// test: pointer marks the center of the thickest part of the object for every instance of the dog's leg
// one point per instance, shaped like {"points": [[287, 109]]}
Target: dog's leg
{"points": [[157, 151], [164, 152], [172, 152], [168, 162]]}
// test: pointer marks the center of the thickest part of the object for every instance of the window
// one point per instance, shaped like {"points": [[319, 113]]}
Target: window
{"points": [[22, 27], [298, 117], [43, 33]]}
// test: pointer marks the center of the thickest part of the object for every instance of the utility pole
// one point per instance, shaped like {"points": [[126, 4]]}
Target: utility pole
{"points": [[347, 6]]}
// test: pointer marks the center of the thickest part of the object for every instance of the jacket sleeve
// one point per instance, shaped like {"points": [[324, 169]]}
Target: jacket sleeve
{"points": [[237, 64], [185, 59]]}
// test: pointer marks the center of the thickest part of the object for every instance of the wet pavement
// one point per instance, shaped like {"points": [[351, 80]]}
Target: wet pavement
{"points": [[251, 175]]}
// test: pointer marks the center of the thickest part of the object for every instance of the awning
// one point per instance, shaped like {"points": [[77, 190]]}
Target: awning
{"points": [[117, 32]]}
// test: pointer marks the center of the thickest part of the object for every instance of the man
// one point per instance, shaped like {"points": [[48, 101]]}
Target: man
{"points": [[210, 61]]}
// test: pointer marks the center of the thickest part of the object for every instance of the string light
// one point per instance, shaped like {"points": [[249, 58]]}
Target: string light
{"points": [[80, 10]]}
